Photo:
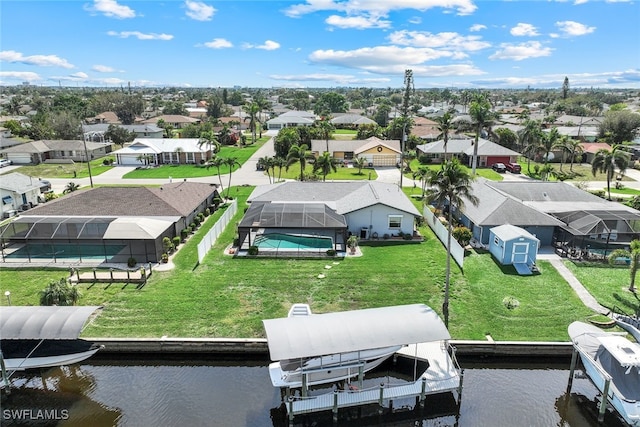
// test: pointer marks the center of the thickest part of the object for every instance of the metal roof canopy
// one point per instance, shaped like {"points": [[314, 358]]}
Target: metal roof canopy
{"points": [[341, 332], [48, 322]]}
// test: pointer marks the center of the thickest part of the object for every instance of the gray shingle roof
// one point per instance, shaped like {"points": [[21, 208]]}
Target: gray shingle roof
{"points": [[485, 147], [176, 199]]}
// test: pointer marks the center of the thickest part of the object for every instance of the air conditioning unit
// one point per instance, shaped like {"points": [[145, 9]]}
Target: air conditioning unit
{"points": [[9, 214], [25, 207]]}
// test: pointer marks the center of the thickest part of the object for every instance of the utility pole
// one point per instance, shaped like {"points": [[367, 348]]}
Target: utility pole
{"points": [[86, 155]]}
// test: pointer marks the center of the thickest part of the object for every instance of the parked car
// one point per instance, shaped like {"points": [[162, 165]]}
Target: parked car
{"points": [[499, 167], [5, 162], [514, 167], [45, 186]]}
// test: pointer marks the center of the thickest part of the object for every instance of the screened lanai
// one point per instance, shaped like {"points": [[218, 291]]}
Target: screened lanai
{"points": [[80, 239], [292, 219]]}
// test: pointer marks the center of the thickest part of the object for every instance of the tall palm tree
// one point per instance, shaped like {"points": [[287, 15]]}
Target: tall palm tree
{"points": [[325, 164], [423, 174], [452, 184], [575, 147], [444, 126], [325, 128], [209, 140], [231, 162], [529, 138], [548, 142], [266, 163], [216, 162], [252, 110], [606, 161], [481, 116], [634, 255], [280, 163], [299, 154]]}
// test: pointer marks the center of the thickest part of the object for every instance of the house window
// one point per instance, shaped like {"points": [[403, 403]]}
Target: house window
{"points": [[395, 221], [496, 240], [348, 155], [191, 157]]}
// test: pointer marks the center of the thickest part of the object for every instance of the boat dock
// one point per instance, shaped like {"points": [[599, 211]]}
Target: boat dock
{"points": [[443, 375]]}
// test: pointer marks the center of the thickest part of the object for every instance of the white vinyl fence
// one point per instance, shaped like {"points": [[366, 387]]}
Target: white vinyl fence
{"points": [[457, 251], [210, 238]]}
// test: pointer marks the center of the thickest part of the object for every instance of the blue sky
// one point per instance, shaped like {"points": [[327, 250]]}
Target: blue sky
{"points": [[321, 43]]}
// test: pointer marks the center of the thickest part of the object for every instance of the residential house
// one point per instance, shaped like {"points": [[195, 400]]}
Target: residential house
{"points": [[350, 121], [425, 129], [489, 152], [375, 151], [19, 193], [56, 151], [108, 223], [95, 132], [175, 120], [292, 119], [367, 209], [107, 117], [589, 150], [159, 151]]}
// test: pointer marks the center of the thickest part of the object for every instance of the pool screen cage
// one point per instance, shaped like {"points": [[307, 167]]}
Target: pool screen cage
{"points": [[78, 239], [312, 220]]}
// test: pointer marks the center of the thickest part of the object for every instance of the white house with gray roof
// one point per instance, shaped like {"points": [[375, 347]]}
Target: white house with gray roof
{"points": [[367, 209], [292, 119], [157, 151], [489, 152], [18, 192]]}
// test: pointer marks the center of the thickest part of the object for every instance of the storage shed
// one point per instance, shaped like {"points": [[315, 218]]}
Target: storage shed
{"points": [[512, 245]]}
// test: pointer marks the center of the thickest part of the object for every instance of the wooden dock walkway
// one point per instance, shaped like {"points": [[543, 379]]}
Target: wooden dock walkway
{"points": [[111, 275]]}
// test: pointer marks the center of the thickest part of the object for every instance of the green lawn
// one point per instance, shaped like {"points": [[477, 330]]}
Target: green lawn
{"points": [[487, 173], [341, 173], [582, 172], [229, 297], [55, 170], [242, 154]]}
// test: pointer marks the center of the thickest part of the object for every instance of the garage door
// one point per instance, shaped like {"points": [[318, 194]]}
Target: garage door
{"points": [[384, 160], [128, 160], [19, 158]]}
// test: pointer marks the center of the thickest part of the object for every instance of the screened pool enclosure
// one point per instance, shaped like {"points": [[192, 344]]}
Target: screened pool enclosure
{"points": [[85, 239]]}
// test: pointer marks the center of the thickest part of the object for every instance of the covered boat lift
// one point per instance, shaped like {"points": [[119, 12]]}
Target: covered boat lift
{"points": [[40, 324], [352, 331]]}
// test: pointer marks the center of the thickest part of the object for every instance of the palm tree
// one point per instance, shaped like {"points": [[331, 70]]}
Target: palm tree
{"points": [[634, 255], [606, 161], [325, 164], [547, 143], [481, 116], [59, 293], [360, 163], [299, 154], [231, 162], [70, 188], [529, 139], [216, 162], [280, 163], [423, 174], [575, 147], [444, 126], [252, 110], [325, 128], [266, 163], [210, 140], [450, 183]]}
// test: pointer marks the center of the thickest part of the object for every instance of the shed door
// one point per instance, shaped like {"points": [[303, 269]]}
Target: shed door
{"points": [[520, 253]]}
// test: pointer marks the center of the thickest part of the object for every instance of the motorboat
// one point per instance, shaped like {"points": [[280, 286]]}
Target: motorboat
{"points": [[312, 349], [629, 323], [612, 363], [42, 337]]}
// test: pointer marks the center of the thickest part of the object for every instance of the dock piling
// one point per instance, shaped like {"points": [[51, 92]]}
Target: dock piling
{"points": [[603, 402], [423, 392], [574, 360], [335, 406], [381, 398]]}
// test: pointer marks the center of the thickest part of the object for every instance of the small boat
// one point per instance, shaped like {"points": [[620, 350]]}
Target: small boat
{"points": [[312, 349], [629, 323], [611, 362], [42, 337]]}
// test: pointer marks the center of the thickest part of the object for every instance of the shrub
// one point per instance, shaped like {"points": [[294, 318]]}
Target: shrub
{"points": [[462, 234], [193, 226], [600, 193], [131, 262], [59, 293], [196, 221], [184, 233], [331, 252], [207, 212], [385, 236], [175, 241], [407, 236], [165, 257], [424, 159], [253, 250], [167, 244], [201, 217]]}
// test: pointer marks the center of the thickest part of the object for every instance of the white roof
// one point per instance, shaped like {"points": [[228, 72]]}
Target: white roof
{"points": [[47, 322], [346, 331], [163, 145]]}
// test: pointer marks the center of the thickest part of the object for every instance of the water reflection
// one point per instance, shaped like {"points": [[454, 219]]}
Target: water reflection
{"points": [[222, 393]]}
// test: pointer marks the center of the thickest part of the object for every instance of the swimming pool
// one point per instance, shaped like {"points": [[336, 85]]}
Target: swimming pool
{"points": [[293, 241], [65, 251]]}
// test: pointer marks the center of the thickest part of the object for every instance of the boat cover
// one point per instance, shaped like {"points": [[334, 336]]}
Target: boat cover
{"points": [[341, 332], [47, 322]]}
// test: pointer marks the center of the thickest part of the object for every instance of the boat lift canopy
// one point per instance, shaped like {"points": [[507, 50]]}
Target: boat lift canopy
{"points": [[346, 331], [40, 323]]}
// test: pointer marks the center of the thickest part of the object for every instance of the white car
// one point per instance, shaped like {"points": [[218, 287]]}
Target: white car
{"points": [[5, 162]]}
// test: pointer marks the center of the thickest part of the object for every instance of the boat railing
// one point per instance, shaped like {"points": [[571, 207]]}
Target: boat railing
{"points": [[336, 365], [595, 364]]}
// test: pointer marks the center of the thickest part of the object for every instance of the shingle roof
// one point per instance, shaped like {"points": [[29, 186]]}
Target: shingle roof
{"points": [[485, 147], [19, 183], [44, 146], [176, 199]]}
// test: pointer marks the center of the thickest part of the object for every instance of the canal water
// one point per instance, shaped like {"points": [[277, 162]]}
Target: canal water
{"points": [[158, 393]]}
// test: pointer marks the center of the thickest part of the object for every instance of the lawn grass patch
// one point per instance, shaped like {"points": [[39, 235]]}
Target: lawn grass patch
{"points": [[64, 170], [341, 173]]}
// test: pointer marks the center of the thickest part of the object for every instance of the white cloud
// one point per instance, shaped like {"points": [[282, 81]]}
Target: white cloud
{"points": [[577, 2], [20, 75], [447, 40], [625, 79], [357, 22], [375, 58], [38, 60], [218, 43], [340, 79], [518, 52], [112, 9], [103, 69], [477, 27], [199, 11], [523, 29], [378, 7], [139, 35], [267, 45], [80, 75], [415, 20], [572, 28]]}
